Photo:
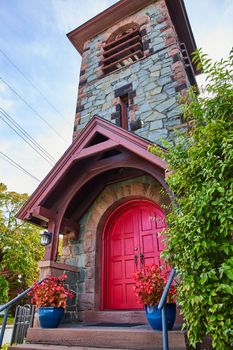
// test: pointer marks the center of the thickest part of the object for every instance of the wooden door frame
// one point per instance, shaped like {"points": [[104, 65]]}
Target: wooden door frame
{"points": [[108, 223]]}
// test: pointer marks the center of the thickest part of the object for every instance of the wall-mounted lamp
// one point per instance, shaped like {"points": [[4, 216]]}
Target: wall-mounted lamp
{"points": [[45, 238]]}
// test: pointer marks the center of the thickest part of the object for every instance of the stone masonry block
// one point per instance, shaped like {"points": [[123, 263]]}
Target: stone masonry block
{"points": [[144, 108], [85, 301], [165, 105], [81, 275], [157, 124], [90, 272], [90, 260], [123, 90], [154, 115], [89, 245], [90, 285]]}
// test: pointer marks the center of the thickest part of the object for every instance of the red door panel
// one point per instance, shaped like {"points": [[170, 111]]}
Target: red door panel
{"points": [[132, 232]]}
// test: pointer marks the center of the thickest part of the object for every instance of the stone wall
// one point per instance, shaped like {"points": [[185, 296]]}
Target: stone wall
{"points": [[85, 251], [156, 80]]}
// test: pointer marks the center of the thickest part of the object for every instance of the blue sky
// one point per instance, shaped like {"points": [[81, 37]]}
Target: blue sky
{"points": [[33, 36]]}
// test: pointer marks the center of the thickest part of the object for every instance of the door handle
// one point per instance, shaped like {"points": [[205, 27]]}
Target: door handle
{"points": [[142, 260], [136, 260]]}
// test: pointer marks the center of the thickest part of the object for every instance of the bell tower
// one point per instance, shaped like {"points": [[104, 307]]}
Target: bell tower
{"points": [[104, 194], [135, 64]]}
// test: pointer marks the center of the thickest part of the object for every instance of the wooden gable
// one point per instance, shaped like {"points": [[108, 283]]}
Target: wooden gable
{"points": [[102, 153]]}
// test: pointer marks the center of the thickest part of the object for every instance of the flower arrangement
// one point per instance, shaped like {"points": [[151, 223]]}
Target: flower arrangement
{"points": [[150, 284], [51, 292]]}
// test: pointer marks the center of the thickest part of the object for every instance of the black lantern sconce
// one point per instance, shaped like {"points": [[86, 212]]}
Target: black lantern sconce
{"points": [[45, 238]]}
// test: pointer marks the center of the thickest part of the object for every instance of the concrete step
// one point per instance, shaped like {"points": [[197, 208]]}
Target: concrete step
{"points": [[130, 338], [115, 316]]}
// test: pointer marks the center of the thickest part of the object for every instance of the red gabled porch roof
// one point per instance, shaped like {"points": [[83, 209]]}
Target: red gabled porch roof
{"points": [[112, 137]]}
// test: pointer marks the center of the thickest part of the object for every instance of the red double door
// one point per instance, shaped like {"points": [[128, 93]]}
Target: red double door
{"points": [[132, 240]]}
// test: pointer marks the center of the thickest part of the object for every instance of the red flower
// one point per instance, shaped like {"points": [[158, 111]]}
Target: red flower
{"points": [[51, 292], [150, 284]]}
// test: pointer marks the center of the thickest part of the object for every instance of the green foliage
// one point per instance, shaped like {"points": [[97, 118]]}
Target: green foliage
{"points": [[19, 245], [10, 320], [200, 234], [4, 287]]}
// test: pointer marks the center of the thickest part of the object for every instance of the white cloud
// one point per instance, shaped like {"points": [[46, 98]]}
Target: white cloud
{"points": [[70, 14], [212, 26]]}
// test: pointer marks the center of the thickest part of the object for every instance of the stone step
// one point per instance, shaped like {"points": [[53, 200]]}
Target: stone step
{"points": [[54, 347], [130, 338], [115, 316], [132, 316]]}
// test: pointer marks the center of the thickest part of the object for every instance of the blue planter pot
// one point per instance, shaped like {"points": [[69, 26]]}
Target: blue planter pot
{"points": [[50, 317], [154, 316]]}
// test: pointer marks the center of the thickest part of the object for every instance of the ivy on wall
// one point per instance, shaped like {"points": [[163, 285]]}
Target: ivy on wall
{"points": [[200, 234]]}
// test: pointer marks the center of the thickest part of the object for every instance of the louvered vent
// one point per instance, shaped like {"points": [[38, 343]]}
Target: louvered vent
{"points": [[188, 65], [185, 55], [125, 49]]}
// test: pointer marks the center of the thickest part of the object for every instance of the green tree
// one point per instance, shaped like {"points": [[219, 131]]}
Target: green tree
{"points": [[200, 234], [19, 246]]}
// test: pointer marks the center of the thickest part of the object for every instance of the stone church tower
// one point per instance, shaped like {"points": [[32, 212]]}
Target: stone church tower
{"points": [[135, 63], [104, 194]]}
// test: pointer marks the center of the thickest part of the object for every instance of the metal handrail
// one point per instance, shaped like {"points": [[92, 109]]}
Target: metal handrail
{"points": [[162, 306], [7, 306]]}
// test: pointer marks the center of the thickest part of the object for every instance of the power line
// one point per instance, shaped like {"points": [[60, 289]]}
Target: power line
{"points": [[29, 105], [25, 139], [27, 135], [34, 86], [17, 166]]}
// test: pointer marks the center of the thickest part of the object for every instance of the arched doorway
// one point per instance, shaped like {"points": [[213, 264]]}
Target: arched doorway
{"points": [[131, 240]]}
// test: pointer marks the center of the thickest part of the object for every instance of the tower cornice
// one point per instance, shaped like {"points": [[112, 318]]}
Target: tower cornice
{"points": [[125, 8]]}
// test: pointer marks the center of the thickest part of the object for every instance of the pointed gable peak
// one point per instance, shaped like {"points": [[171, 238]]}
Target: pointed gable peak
{"points": [[99, 141]]}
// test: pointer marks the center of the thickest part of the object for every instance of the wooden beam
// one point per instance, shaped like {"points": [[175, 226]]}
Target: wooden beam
{"points": [[43, 213], [117, 160], [82, 208], [48, 214], [92, 150]]}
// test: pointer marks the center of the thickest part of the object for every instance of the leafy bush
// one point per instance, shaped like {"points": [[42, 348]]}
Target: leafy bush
{"points": [[3, 290], [20, 248], [200, 234]]}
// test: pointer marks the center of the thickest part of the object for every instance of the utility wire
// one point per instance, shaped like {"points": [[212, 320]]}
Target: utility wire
{"points": [[17, 166], [3, 117], [28, 104], [34, 86], [26, 134]]}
